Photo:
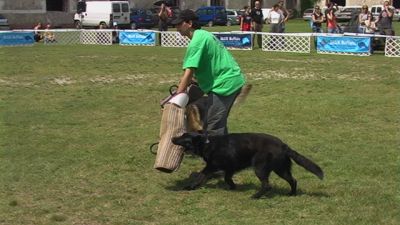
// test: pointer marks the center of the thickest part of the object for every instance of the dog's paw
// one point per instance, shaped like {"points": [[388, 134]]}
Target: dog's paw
{"points": [[190, 187], [258, 195]]}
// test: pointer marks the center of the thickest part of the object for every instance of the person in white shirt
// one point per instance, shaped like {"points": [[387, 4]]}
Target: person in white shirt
{"points": [[275, 19]]}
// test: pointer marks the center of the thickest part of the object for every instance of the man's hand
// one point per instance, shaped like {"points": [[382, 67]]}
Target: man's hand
{"points": [[185, 80]]}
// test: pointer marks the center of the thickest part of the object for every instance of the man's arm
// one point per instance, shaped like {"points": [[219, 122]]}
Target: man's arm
{"points": [[186, 79]]}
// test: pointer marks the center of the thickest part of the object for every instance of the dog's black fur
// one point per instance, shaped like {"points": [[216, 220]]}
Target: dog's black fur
{"points": [[234, 152]]}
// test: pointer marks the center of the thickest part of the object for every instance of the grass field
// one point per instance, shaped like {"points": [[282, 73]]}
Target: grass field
{"points": [[76, 123]]}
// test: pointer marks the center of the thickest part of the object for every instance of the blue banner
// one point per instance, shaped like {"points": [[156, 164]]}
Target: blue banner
{"points": [[236, 41], [16, 38], [137, 38], [344, 44]]}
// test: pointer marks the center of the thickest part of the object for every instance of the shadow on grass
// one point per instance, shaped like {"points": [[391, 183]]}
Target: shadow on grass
{"points": [[180, 185]]}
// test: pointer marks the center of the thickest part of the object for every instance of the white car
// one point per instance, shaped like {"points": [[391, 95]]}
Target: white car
{"points": [[4, 23], [307, 14], [233, 17]]}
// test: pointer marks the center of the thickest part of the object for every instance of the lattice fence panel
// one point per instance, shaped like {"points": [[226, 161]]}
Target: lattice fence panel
{"points": [[63, 37], [173, 39], [392, 46], [96, 37], [299, 43]]}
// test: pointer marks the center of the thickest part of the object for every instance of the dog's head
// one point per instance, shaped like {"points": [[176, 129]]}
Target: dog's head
{"points": [[191, 142]]}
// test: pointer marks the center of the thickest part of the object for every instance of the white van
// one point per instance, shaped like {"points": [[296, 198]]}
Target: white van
{"points": [[104, 13]]}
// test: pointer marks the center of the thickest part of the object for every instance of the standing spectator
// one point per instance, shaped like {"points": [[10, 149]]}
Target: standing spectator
{"points": [[245, 20], [163, 18], [275, 19], [257, 21], [317, 20], [385, 20], [285, 14], [364, 20], [331, 21]]}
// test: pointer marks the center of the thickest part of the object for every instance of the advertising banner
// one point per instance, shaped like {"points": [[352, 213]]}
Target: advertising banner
{"points": [[16, 38], [137, 38], [344, 44], [236, 41]]}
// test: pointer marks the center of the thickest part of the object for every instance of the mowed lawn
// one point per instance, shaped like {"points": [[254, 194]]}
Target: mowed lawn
{"points": [[76, 123]]}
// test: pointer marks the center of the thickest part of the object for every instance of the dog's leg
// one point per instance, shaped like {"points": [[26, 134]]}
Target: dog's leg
{"points": [[201, 178], [287, 175], [263, 176], [229, 181]]}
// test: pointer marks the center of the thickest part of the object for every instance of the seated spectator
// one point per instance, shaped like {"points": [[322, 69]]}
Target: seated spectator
{"points": [[37, 35], [48, 35]]}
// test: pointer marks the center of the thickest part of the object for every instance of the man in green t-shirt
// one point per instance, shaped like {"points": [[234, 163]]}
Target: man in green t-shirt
{"points": [[214, 68]]}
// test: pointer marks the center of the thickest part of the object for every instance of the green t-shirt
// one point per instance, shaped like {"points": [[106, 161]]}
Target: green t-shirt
{"points": [[215, 68]]}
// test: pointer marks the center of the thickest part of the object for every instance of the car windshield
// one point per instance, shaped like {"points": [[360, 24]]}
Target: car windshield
{"points": [[349, 10], [2, 17], [220, 11], [308, 10]]}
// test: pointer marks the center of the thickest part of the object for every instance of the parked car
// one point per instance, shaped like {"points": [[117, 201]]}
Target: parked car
{"points": [[4, 23], [347, 12], [233, 17], [142, 18], [212, 15], [307, 14]]}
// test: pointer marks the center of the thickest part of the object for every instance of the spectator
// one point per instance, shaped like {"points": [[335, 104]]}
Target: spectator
{"points": [[364, 20], [48, 35], [276, 19], [214, 68], [37, 34], [245, 20], [257, 22], [332, 25], [385, 20], [317, 20], [285, 14], [163, 18]]}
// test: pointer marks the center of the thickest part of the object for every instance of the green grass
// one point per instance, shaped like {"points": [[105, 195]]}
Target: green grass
{"points": [[76, 123]]}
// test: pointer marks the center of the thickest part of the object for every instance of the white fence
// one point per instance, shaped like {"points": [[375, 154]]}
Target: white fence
{"points": [[290, 42], [273, 42], [392, 47]]}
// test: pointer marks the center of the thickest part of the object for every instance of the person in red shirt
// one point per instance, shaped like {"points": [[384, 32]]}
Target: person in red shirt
{"points": [[245, 20]]}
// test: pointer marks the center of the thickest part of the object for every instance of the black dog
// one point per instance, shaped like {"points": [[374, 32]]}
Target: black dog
{"points": [[234, 152]]}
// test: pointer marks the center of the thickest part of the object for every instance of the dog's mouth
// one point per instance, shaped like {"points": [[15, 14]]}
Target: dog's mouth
{"points": [[175, 141]]}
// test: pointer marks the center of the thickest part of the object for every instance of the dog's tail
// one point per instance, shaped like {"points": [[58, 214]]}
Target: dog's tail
{"points": [[304, 162], [243, 94]]}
